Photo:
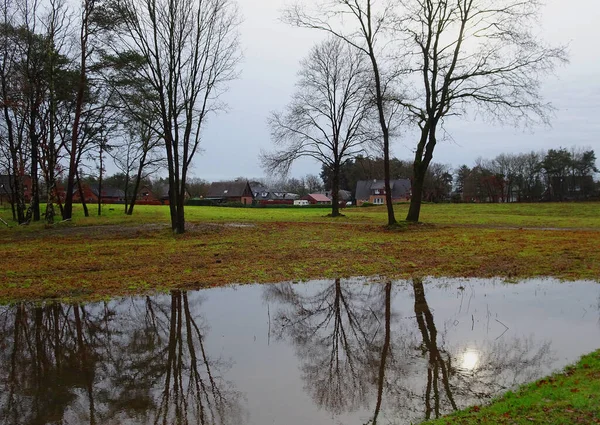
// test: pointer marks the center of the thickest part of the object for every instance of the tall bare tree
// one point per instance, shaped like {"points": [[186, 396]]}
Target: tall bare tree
{"points": [[328, 117], [190, 51], [360, 24], [87, 12], [470, 55]]}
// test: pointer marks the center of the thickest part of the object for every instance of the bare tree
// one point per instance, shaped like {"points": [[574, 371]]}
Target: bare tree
{"points": [[55, 23], [190, 51], [12, 102], [360, 24], [328, 117], [137, 158], [471, 55], [87, 11]]}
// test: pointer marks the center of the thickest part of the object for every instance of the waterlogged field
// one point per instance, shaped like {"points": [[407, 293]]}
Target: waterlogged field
{"points": [[98, 257], [358, 351]]}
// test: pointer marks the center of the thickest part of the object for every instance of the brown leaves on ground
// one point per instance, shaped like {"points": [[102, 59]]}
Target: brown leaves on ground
{"points": [[111, 260]]}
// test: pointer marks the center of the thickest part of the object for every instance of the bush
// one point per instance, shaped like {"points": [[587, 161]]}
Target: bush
{"points": [[200, 203], [292, 206], [368, 204]]}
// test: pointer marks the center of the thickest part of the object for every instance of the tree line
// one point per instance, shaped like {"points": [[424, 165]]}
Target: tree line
{"points": [[555, 175], [131, 79]]}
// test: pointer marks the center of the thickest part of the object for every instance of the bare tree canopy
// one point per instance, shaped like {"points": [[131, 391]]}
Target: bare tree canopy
{"points": [[470, 55], [190, 50], [328, 116], [362, 24]]}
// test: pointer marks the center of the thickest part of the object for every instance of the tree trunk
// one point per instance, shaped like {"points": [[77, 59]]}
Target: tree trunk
{"points": [[180, 215], [35, 193], [423, 157], [83, 202], [386, 137], [100, 182], [335, 191], [68, 208], [136, 185], [416, 198]]}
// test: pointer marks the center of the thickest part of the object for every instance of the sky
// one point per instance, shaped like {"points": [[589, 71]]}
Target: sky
{"points": [[272, 50]]}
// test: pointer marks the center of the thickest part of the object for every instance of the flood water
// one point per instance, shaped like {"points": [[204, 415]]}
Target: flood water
{"points": [[323, 352]]}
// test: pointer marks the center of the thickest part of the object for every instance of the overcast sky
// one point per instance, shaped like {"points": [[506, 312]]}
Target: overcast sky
{"points": [[272, 50]]}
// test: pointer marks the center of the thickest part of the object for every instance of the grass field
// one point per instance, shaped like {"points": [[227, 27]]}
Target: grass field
{"points": [[114, 254], [102, 257]]}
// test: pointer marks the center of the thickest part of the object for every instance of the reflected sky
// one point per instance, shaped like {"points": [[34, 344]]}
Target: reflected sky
{"points": [[327, 352]]}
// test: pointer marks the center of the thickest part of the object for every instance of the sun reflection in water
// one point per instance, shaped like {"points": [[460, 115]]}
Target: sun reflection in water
{"points": [[469, 360]]}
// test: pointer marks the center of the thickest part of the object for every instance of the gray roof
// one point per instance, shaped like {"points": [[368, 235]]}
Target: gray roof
{"points": [[107, 191], [274, 194], [227, 189], [400, 188]]}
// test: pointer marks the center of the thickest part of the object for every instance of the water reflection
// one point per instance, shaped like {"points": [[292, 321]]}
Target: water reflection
{"points": [[325, 352], [128, 362], [357, 351]]}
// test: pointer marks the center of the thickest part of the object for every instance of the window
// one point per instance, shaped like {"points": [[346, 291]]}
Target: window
{"points": [[378, 201]]}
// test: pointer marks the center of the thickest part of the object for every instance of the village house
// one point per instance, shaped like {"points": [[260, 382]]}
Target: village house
{"points": [[373, 191], [317, 199], [235, 191], [110, 195], [6, 189], [265, 196]]}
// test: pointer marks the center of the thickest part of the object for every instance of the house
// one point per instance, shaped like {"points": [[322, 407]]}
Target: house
{"points": [[317, 199], [110, 195], [235, 191], [344, 196], [145, 194], [275, 197], [373, 191], [6, 188], [265, 196]]}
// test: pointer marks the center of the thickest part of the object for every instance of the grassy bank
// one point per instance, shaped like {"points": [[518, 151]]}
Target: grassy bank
{"points": [[114, 254], [569, 397]]}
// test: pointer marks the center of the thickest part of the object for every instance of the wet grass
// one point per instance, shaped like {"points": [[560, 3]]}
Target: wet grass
{"points": [[569, 397], [116, 254]]}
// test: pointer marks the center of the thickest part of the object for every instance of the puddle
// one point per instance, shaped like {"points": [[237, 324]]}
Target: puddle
{"points": [[323, 352]]}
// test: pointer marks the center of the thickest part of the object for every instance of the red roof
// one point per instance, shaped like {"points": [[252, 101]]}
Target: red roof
{"points": [[319, 197]]}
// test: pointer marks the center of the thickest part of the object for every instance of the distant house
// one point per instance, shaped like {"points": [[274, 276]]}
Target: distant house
{"points": [[236, 191], [344, 196], [317, 199], [146, 194], [6, 188], [373, 191], [266, 196], [110, 195], [274, 197]]}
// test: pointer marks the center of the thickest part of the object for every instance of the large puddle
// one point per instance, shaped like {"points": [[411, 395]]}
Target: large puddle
{"points": [[324, 352]]}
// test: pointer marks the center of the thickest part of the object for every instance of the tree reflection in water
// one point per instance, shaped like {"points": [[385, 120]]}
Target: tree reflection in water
{"points": [[133, 362], [336, 332], [356, 352]]}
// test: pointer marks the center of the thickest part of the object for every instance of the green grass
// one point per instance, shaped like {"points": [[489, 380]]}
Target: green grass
{"points": [[556, 215], [569, 397]]}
